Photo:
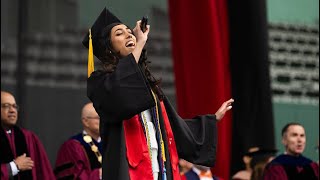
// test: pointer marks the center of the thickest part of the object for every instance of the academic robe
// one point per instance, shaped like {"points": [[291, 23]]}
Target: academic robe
{"points": [[76, 160], [118, 98], [24, 141], [289, 167]]}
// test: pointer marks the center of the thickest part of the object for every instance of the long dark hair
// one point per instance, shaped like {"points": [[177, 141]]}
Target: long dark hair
{"points": [[154, 82], [111, 59]]}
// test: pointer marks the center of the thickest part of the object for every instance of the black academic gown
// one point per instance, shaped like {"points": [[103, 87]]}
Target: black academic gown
{"points": [[120, 95]]}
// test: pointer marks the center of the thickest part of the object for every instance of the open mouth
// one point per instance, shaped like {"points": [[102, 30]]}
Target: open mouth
{"points": [[130, 44], [12, 116], [300, 147]]}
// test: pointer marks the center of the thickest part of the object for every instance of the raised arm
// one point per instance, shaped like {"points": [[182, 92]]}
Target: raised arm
{"points": [[141, 40]]}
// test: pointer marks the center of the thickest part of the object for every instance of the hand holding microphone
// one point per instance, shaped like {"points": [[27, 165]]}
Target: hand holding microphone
{"points": [[143, 24]]}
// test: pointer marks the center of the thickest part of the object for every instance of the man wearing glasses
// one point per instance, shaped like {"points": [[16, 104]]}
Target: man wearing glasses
{"points": [[80, 157], [22, 155]]}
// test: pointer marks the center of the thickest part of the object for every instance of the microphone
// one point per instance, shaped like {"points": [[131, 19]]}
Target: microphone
{"points": [[144, 23]]}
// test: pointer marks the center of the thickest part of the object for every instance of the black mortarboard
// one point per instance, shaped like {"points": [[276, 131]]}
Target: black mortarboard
{"points": [[261, 155], [261, 151], [104, 22]]}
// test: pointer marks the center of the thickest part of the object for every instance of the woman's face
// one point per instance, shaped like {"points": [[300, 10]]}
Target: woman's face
{"points": [[122, 40]]}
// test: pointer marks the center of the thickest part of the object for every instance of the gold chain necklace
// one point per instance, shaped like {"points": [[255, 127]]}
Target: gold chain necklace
{"points": [[94, 148]]}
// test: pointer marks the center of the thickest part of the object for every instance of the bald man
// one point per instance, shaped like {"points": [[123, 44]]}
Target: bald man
{"points": [[22, 155], [79, 157]]}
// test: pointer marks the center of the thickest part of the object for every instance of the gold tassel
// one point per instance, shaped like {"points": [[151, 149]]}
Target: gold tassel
{"points": [[90, 56]]}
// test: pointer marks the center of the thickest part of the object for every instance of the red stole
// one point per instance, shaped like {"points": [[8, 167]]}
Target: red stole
{"points": [[137, 150], [140, 167], [171, 143]]}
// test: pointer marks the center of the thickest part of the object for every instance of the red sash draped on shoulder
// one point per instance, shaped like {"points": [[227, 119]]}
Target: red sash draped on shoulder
{"points": [[140, 167]]}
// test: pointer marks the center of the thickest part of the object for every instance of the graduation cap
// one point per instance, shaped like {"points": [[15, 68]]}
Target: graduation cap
{"points": [[257, 151], [261, 155], [95, 39]]}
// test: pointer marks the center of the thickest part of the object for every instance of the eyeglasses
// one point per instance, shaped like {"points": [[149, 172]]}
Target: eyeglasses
{"points": [[7, 106], [90, 117]]}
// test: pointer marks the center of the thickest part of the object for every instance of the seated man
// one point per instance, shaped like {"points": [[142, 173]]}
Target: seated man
{"points": [[292, 164], [22, 155], [79, 157]]}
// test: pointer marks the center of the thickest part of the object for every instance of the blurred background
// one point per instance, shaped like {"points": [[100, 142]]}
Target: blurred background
{"points": [[43, 62]]}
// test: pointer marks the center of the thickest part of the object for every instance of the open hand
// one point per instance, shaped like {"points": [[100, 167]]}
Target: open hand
{"points": [[226, 106]]}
